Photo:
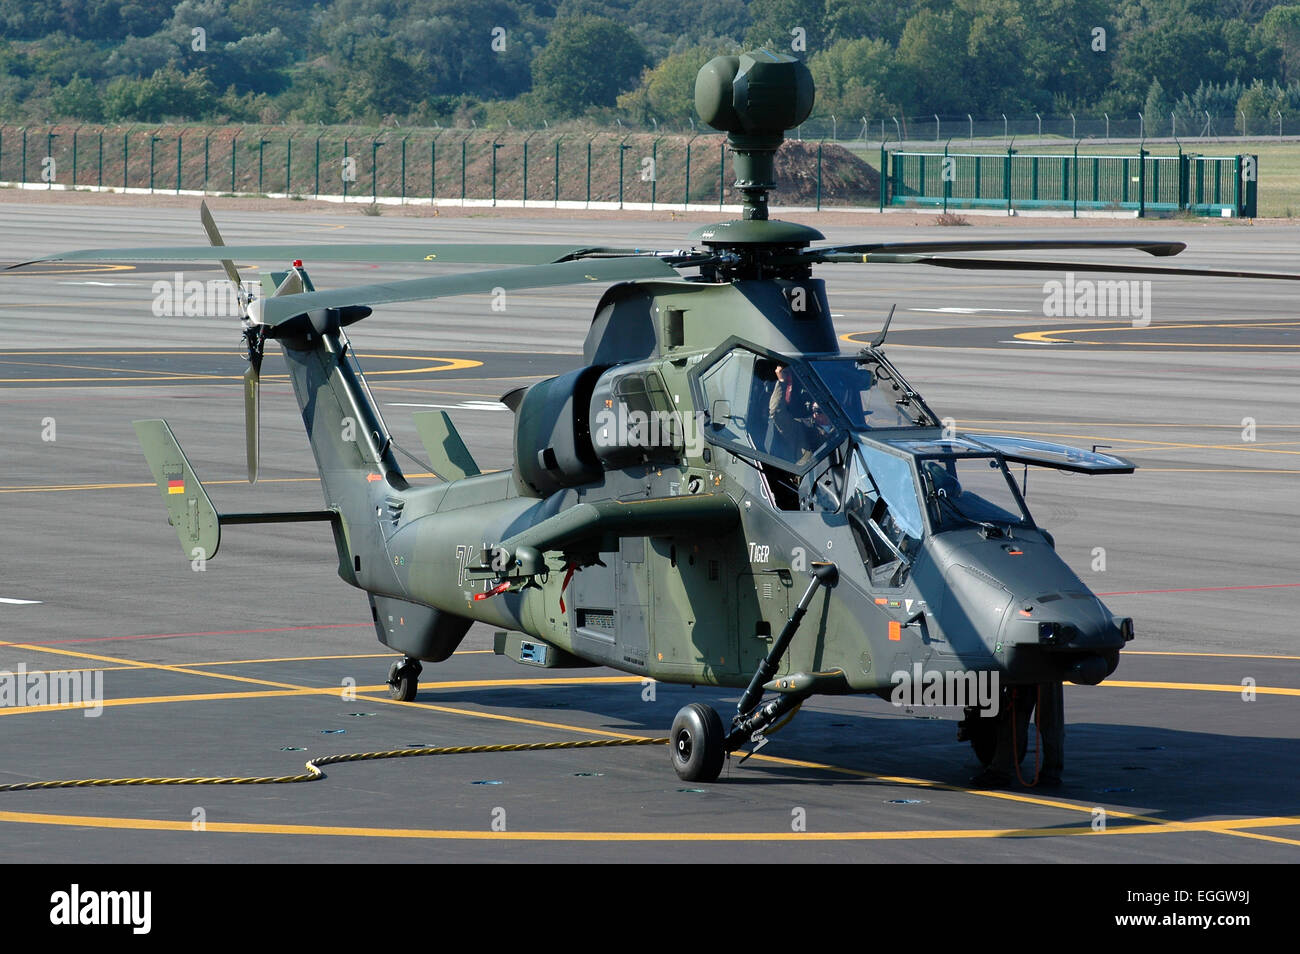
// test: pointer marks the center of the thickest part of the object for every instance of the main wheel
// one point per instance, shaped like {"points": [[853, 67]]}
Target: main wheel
{"points": [[696, 742], [403, 680], [983, 734]]}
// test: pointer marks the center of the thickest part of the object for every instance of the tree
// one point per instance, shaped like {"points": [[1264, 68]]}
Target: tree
{"points": [[667, 92], [587, 62], [856, 78], [1281, 28], [776, 20]]}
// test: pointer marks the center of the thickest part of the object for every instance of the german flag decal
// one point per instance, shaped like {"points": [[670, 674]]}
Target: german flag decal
{"points": [[176, 486]]}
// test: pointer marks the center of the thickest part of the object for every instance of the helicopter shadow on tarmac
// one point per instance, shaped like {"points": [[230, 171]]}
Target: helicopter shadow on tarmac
{"points": [[1171, 774]]}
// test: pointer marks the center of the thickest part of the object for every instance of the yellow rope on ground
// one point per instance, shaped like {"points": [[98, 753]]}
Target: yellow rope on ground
{"points": [[314, 773]]}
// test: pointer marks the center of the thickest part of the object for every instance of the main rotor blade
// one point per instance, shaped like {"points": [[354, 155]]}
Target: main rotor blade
{"points": [[485, 254], [278, 310], [1012, 265], [214, 236], [1158, 248]]}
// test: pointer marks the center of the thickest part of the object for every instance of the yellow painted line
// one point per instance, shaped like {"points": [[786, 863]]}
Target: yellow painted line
{"points": [[245, 662], [148, 665], [1233, 427], [58, 488], [1050, 336], [90, 268], [1155, 652], [1262, 837], [1201, 687], [1221, 470], [249, 828], [445, 364], [188, 697], [1150, 823]]}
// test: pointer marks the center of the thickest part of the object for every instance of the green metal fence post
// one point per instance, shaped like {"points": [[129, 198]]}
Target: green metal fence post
{"points": [[588, 173], [2, 149], [978, 183], [1142, 182], [317, 165], [622, 148], [1033, 178], [180, 135], [884, 171], [654, 171], [462, 168], [819, 177], [1075, 190], [153, 139], [526, 138], [1006, 178], [125, 137], [74, 155], [557, 170], [100, 180], [288, 167], [23, 176], [50, 136], [404, 138], [686, 200], [433, 167], [722, 172], [943, 174], [495, 146], [205, 162], [233, 140], [261, 153], [374, 170]]}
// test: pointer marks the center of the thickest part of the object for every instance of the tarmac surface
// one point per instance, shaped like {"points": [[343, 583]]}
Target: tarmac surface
{"points": [[248, 668]]}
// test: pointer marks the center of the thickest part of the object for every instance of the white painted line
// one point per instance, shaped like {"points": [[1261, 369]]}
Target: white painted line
{"points": [[104, 284], [972, 311], [463, 406], [19, 602]]}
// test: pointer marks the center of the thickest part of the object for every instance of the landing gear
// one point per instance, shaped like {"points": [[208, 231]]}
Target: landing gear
{"points": [[982, 734], [696, 741], [404, 679]]}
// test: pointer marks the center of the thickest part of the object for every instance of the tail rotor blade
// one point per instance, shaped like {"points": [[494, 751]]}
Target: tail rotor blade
{"points": [[251, 427], [214, 236]]}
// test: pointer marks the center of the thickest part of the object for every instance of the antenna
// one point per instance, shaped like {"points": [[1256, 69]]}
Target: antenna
{"points": [[879, 339]]}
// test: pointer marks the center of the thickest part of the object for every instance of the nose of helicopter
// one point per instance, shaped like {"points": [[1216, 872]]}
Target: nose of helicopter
{"points": [[1052, 626]]}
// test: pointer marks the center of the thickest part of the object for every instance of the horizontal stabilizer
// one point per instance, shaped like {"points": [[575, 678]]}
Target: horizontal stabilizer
{"points": [[188, 508], [448, 455]]}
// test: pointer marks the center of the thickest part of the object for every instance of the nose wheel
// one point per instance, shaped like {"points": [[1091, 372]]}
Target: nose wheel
{"points": [[404, 679], [696, 742]]}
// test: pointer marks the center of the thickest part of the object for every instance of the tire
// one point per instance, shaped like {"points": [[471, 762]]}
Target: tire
{"points": [[403, 682], [983, 735], [696, 743]]}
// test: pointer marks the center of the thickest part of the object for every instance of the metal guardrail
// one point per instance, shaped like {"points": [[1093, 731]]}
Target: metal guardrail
{"points": [[1202, 185]]}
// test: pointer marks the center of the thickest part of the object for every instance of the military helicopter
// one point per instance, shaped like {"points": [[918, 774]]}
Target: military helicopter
{"points": [[717, 496]]}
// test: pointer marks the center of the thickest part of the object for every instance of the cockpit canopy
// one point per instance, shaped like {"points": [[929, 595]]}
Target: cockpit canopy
{"points": [[791, 412]]}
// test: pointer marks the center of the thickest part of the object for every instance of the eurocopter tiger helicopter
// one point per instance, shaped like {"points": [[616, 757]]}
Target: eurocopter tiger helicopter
{"points": [[718, 496]]}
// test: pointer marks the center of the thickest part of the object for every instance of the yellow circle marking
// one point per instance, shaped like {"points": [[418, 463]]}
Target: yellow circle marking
{"points": [[1051, 336], [1146, 824], [444, 364]]}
